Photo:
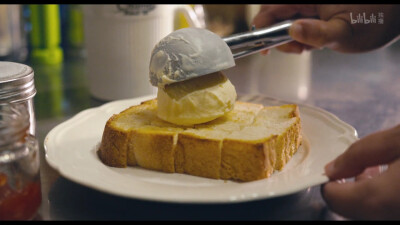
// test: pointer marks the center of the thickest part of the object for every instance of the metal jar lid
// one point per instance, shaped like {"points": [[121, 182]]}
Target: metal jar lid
{"points": [[16, 82]]}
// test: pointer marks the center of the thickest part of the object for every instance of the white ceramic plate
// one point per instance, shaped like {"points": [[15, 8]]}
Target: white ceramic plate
{"points": [[71, 149]]}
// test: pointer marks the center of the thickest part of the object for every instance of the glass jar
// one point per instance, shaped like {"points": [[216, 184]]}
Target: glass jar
{"points": [[17, 87], [20, 192]]}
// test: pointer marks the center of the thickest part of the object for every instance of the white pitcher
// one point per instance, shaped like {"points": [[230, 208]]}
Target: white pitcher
{"points": [[119, 40]]}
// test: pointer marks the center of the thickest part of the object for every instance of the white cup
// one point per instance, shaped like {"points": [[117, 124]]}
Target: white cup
{"points": [[119, 40]]}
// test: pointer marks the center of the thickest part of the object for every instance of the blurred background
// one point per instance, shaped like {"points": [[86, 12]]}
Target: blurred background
{"points": [[53, 40], [27, 29]]}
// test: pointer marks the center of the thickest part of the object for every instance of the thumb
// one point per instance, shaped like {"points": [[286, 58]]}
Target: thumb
{"points": [[320, 33], [375, 149]]}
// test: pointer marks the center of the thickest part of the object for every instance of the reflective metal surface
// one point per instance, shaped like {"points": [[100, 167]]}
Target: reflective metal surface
{"points": [[362, 90], [254, 41]]}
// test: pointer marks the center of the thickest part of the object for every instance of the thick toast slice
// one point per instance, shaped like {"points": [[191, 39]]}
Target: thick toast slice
{"points": [[248, 143]]}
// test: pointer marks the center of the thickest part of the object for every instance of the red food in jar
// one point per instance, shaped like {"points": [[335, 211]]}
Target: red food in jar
{"points": [[19, 205]]}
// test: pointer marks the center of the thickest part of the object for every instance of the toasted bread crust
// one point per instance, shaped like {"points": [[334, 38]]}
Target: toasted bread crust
{"points": [[171, 148], [154, 150], [198, 156], [114, 146], [246, 161]]}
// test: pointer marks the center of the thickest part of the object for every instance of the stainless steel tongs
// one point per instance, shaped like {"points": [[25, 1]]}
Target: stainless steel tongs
{"points": [[254, 41], [193, 52]]}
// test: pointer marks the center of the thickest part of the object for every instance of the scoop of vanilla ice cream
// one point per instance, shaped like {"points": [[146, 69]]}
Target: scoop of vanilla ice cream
{"points": [[197, 100], [187, 53]]}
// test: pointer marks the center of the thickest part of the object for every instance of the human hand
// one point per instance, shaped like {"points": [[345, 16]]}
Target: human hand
{"points": [[319, 26], [372, 195]]}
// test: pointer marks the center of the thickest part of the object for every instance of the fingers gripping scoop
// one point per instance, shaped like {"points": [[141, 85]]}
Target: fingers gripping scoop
{"points": [[187, 53]]}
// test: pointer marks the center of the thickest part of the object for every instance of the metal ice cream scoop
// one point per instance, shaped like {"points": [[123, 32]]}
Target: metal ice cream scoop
{"points": [[191, 52]]}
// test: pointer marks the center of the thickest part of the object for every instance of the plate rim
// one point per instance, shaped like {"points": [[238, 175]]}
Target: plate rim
{"points": [[351, 131]]}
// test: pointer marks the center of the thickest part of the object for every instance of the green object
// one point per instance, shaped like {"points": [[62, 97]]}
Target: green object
{"points": [[49, 85], [45, 35], [75, 26]]}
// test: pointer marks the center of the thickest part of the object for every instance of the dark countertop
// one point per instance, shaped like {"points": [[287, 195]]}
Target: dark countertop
{"points": [[361, 89]]}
